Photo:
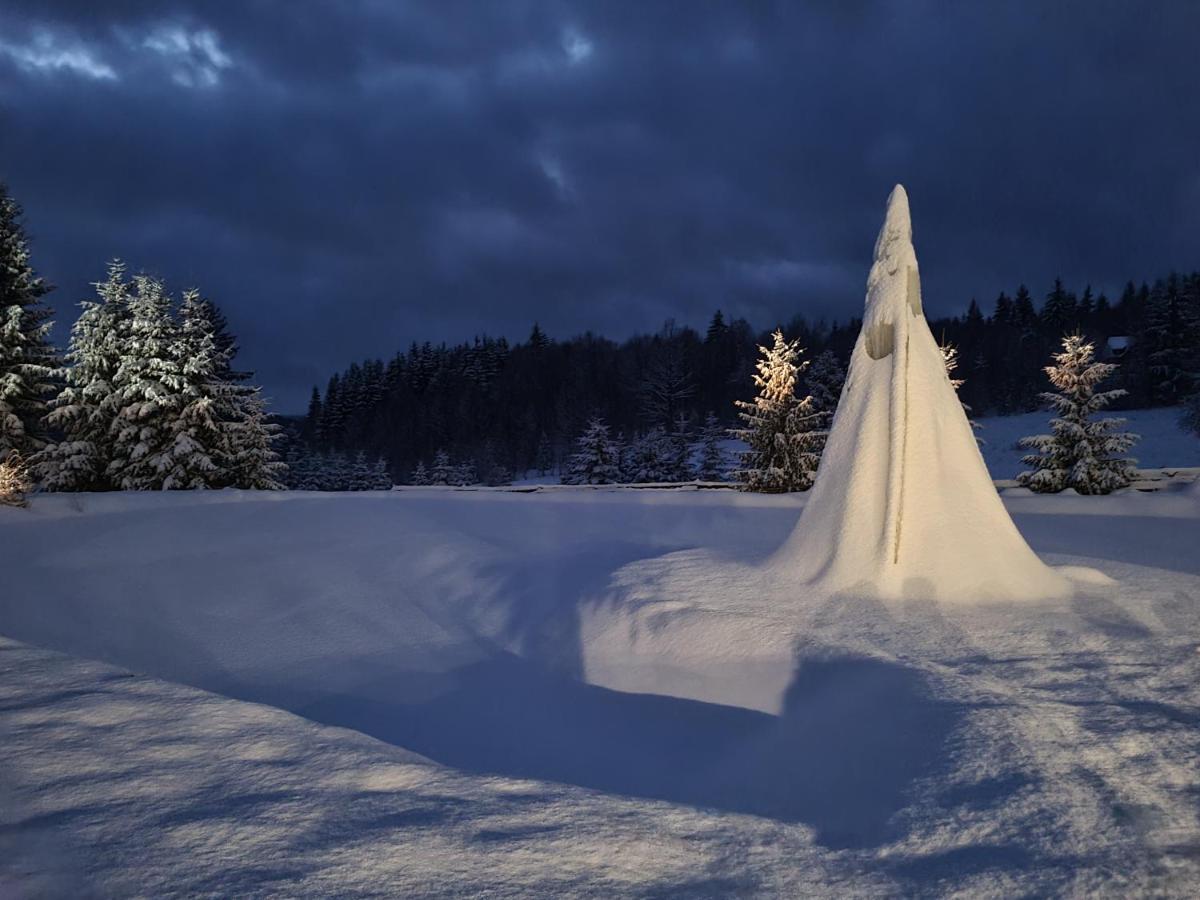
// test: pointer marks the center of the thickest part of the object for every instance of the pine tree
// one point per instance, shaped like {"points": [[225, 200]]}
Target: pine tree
{"points": [[250, 457], [28, 364], [712, 459], [147, 393], [361, 476], [83, 410], [825, 378], [223, 435], [648, 458], [1082, 453], [420, 477], [196, 456], [781, 430], [596, 459], [679, 467], [443, 472], [950, 360], [381, 478], [544, 460]]}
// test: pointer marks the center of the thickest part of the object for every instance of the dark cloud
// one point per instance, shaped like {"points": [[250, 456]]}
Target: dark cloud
{"points": [[346, 177]]}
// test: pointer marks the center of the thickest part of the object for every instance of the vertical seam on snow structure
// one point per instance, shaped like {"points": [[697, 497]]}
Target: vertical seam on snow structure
{"points": [[903, 459]]}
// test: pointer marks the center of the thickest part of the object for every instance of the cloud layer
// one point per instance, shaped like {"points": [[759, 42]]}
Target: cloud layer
{"points": [[346, 177]]}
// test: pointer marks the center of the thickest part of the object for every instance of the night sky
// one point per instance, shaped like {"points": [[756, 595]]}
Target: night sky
{"points": [[343, 178]]}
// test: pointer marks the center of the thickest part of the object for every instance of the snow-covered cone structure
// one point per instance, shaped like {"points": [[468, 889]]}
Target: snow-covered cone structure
{"points": [[903, 505]]}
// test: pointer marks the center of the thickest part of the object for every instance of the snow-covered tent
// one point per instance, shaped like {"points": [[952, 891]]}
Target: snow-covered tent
{"points": [[903, 505]]}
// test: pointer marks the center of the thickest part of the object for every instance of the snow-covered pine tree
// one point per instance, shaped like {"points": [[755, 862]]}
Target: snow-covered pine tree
{"points": [[596, 459], [250, 458], [420, 476], [825, 378], [197, 455], [381, 478], [360, 473], [1082, 453], [783, 432], [28, 363], [443, 472], [712, 459], [950, 359], [463, 474], [544, 460], [679, 463], [147, 393], [83, 410], [648, 458]]}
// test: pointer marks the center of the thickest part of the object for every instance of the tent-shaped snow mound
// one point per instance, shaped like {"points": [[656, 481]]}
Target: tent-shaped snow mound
{"points": [[903, 505]]}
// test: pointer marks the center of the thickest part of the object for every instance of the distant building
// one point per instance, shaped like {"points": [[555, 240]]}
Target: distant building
{"points": [[1117, 346]]}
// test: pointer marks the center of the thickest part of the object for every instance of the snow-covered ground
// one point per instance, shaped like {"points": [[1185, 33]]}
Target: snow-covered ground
{"points": [[581, 692]]}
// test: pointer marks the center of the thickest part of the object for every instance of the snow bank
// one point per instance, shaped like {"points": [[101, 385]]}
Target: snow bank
{"points": [[630, 702]]}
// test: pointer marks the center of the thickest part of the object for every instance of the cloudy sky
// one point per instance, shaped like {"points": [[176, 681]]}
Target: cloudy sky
{"points": [[345, 177]]}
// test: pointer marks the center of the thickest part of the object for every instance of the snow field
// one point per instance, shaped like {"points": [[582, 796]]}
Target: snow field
{"points": [[679, 716]]}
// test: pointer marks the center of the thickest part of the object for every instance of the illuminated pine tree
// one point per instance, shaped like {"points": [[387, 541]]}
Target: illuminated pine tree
{"points": [[1082, 452], [783, 432]]}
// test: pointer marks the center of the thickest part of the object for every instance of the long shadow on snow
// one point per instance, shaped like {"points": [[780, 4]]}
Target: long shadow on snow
{"points": [[855, 734]]}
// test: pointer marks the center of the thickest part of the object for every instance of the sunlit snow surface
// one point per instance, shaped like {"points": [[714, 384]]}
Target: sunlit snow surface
{"points": [[581, 692]]}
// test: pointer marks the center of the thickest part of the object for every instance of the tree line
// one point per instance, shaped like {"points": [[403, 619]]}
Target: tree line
{"points": [[502, 408]]}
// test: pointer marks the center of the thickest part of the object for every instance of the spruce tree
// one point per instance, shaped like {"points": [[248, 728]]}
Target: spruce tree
{"points": [[950, 360], [712, 459], [381, 478], [420, 477], [443, 472], [679, 466], [250, 458], [825, 378], [648, 458], [28, 363], [596, 459], [147, 393], [223, 420], [82, 413], [1082, 452], [361, 477], [782, 431], [198, 452]]}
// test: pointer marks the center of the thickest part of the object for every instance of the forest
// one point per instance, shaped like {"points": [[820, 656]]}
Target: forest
{"points": [[495, 406]]}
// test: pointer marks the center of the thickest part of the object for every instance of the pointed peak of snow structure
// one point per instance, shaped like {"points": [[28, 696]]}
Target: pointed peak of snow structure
{"points": [[896, 232], [903, 506]]}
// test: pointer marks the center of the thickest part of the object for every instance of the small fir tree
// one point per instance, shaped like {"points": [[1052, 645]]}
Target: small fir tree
{"points": [[825, 379], [648, 458], [420, 477], [1082, 452], [950, 360], [544, 460], [596, 459], [381, 478], [679, 462], [782, 431], [712, 458], [443, 472]]}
